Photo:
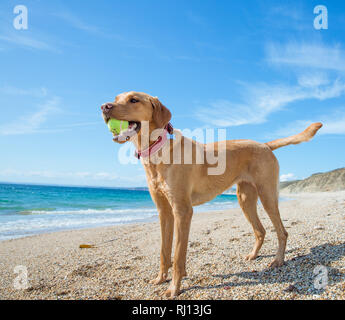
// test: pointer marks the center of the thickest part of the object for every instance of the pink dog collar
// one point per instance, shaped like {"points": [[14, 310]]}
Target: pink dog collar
{"points": [[157, 145]]}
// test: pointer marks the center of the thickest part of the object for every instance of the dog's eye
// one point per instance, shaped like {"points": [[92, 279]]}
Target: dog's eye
{"points": [[134, 100]]}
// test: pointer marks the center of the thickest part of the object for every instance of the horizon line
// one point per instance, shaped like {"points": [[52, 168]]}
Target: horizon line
{"points": [[69, 186]]}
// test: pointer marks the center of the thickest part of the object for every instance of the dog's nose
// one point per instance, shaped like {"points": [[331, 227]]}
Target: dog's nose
{"points": [[106, 107]]}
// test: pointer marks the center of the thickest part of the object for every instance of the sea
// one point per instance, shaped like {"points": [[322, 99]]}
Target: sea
{"points": [[27, 210]]}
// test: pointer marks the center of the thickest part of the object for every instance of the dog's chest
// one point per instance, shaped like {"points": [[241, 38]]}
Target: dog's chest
{"points": [[157, 182]]}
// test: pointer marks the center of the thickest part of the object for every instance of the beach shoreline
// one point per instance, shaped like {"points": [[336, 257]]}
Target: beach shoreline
{"points": [[121, 269], [27, 210]]}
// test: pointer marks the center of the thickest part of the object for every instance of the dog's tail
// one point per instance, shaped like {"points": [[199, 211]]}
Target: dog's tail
{"points": [[304, 136]]}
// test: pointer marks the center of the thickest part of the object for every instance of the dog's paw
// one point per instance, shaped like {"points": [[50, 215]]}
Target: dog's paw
{"points": [[250, 257], [276, 263], [161, 278], [172, 292]]}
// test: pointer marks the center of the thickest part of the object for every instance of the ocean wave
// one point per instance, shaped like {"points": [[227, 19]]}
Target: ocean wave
{"points": [[226, 203], [38, 225], [88, 211]]}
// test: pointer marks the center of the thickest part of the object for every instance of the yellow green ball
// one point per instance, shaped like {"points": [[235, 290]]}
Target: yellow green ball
{"points": [[116, 126]]}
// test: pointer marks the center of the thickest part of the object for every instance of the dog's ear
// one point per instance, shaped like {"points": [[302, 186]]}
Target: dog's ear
{"points": [[161, 114]]}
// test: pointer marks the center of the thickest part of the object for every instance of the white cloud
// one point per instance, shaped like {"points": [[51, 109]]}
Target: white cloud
{"points": [[105, 176], [307, 55], [110, 179], [76, 22], [31, 123], [287, 177], [291, 129], [261, 100], [9, 90], [290, 12], [332, 124], [28, 42], [224, 113], [56, 175], [315, 65], [312, 80]]}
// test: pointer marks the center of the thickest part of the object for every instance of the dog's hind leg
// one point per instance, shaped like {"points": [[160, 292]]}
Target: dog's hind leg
{"points": [[268, 194], [247, 197]]}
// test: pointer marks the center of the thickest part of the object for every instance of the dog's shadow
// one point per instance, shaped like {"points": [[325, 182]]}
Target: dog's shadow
{"points": [[297, 273]]}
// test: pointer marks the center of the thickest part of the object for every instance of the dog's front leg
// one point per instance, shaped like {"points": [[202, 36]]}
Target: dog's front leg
{"points": [[183, 217], [166, 219]]}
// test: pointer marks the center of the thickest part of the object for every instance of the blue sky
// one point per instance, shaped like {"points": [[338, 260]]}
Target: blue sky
{"points": [[258, 67]]}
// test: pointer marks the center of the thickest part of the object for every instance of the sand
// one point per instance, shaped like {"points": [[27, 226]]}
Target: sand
{"points": [[121, 269]]}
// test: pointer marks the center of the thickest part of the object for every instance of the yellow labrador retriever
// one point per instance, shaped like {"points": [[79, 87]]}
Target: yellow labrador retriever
{"points": [[177, 187]]}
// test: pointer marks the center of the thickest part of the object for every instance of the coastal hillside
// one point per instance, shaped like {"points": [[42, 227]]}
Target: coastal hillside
{"points": [[318, 182]]}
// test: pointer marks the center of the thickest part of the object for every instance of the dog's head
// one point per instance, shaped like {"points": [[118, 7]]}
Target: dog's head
{"points": [[136, 107]]}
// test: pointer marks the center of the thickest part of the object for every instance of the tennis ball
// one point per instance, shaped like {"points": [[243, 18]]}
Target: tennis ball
{"points": [[116, 126]]}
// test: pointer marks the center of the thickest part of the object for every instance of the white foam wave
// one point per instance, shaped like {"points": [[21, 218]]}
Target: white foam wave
{"points": [[91, 211], [38, 224]]}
